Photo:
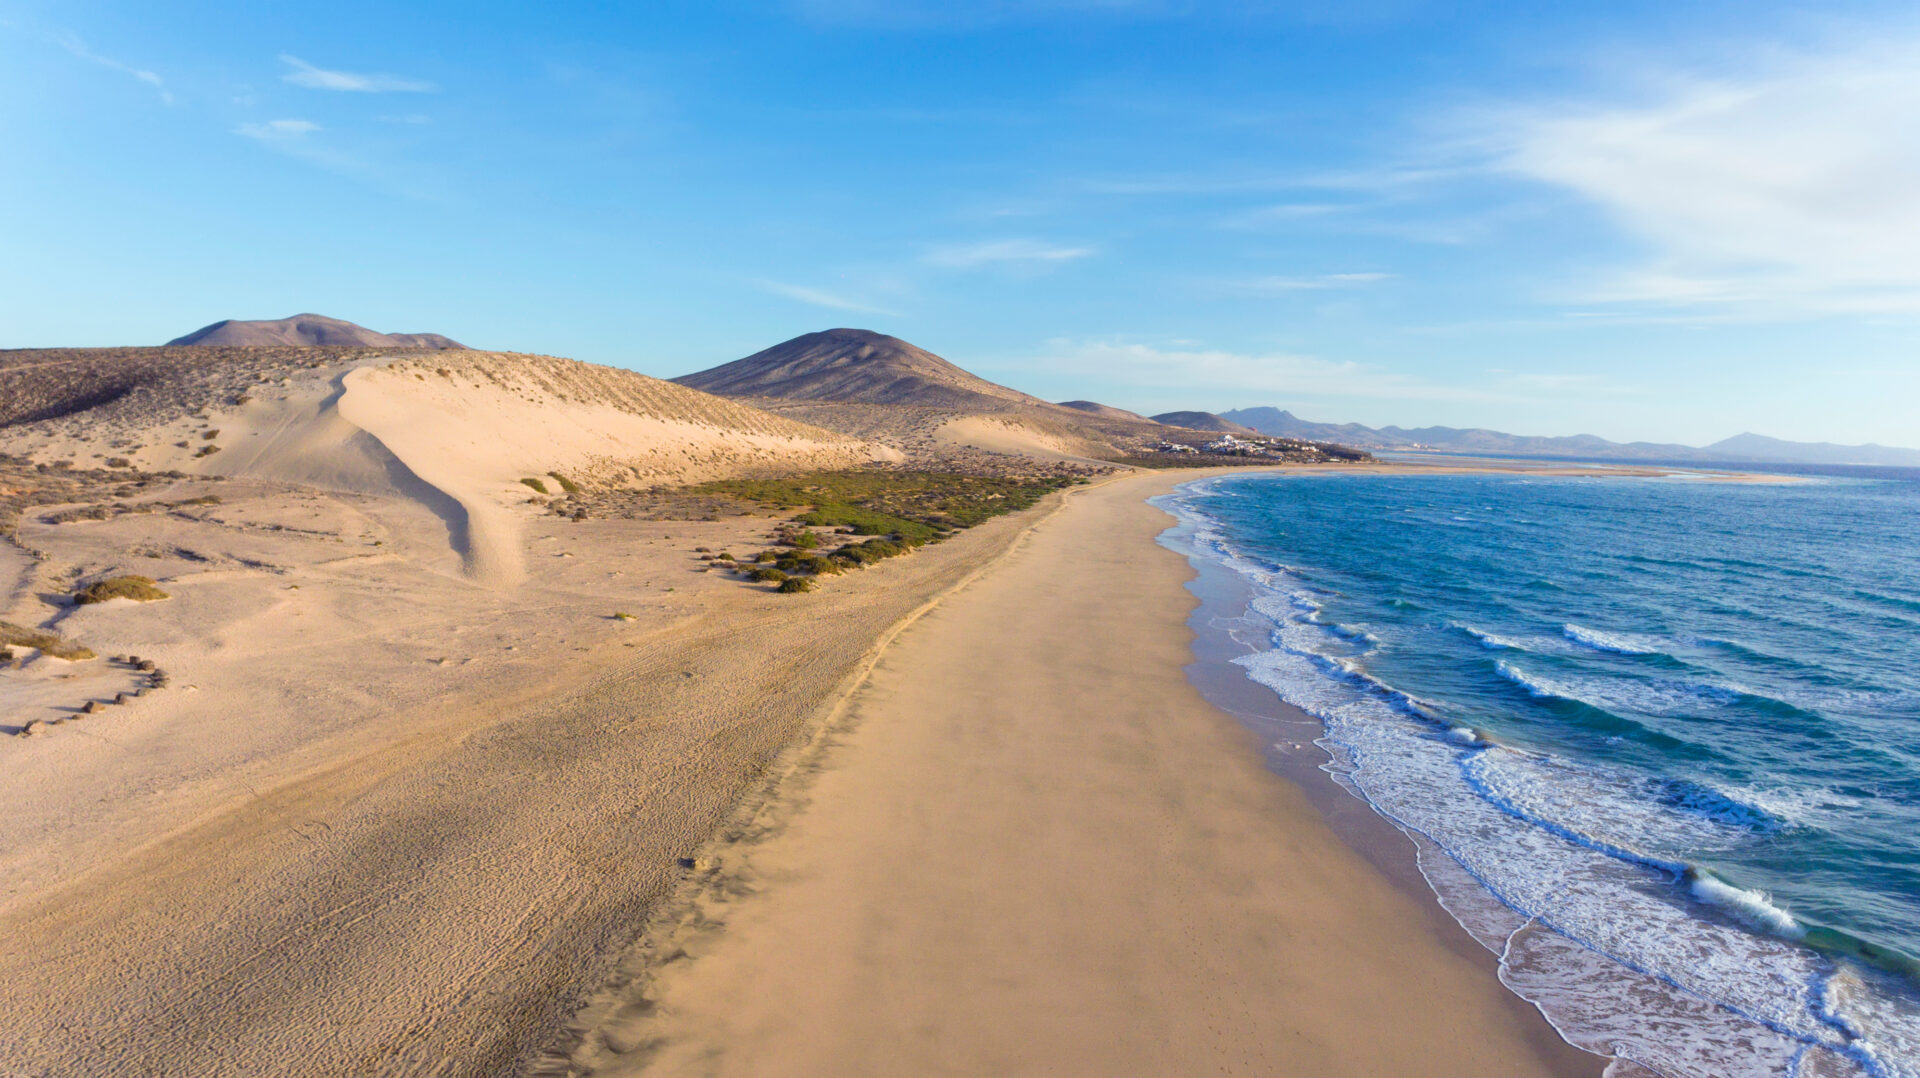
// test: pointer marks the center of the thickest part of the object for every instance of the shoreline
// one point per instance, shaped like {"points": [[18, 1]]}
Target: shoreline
{"points": [[1007, 932]]}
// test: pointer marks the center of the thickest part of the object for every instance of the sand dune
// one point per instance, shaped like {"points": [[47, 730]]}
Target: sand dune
{"points": [[455, 431], [1017, 434]]}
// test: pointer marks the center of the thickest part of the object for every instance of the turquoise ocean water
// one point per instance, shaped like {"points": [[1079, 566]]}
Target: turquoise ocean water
{"points": [[1656, 740]]}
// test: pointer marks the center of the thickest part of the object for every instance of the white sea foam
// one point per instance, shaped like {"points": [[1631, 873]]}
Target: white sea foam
{"points": [[1601, 640], [1487, 639], [1593, 918], [1624, 696], [1756, 908]]}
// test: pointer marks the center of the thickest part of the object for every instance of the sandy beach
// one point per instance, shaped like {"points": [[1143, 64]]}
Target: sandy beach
{"points": [[385, 821], [1027, 845]]}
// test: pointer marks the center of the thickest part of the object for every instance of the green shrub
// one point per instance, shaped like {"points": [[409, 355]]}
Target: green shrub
{"points": [[806, 540], [138, 588], [566, 484], [793, 584], [535, 484], [767, 555], [766, 574]]}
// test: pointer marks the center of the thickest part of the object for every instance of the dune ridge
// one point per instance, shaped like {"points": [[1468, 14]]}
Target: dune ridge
{"points": [[455, 431]]}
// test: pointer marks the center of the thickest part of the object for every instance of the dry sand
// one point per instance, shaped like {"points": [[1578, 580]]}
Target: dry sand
{"points": [[1026, 845], [385, 820]]}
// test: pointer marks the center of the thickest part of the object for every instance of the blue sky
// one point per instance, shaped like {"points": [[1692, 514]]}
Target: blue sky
{"points": [[1640, 220]]}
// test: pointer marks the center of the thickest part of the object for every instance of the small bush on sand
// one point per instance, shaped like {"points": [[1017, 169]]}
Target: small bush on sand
{"points": [[535, 484], [47, 643], [566, 484], [138, 588], [793, 584], [806, 540], [767, 555], [767, 574]]}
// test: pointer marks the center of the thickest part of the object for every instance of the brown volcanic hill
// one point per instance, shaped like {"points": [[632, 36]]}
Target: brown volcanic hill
{"points": [[308, 329], [1202, 421], [1104, 411], [855, 365]]}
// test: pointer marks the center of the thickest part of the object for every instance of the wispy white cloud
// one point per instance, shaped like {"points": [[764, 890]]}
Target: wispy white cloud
{"points": [[1310, 283], [72, 43], [280, 131], [304, 140], [820, 298], [320, 78], [1028, 252], [1284, 374], [944, 15], [1790, 189]]}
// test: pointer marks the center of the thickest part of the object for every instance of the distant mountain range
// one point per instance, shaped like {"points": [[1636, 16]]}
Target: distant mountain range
{"points": [[308, 329], [1739, 448]]}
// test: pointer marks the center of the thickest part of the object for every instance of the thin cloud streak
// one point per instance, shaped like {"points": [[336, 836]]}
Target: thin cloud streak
{"points": [[1009, 251], [277, 130], [1279, 284], [819, 298], [72, 43], [320, 78]]}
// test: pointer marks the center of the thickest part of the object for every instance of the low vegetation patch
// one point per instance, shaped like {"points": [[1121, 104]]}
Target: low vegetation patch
{"points": [[138, 588], [896, 510], [566, 484], [47, 643], [882, 499], [536, 484], [864, 521], [793, 584]]}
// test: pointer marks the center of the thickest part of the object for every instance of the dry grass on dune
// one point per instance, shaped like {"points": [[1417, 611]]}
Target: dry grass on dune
{"points": [[140, 589], [19, 636]]}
